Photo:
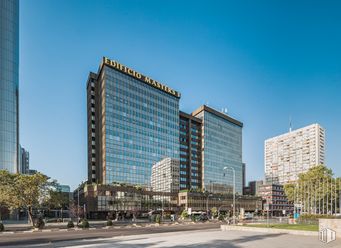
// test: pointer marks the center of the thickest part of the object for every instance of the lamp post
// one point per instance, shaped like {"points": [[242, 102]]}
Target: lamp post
{"points": [[234, 191], [78, 205]]}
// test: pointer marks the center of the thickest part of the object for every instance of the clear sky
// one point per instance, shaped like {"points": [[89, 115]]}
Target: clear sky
{"points": [[262, 60]]}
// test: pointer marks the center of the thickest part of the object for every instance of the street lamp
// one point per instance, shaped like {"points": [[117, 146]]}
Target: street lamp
{"points": [[234, 191]]}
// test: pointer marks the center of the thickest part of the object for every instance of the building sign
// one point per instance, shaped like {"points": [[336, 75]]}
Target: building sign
{"points": [[122, 68]]}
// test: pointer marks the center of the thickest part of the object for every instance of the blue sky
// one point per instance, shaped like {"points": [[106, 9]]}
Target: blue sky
{"points": [[262, 60]]}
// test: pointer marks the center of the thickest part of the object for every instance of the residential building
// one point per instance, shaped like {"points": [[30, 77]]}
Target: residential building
{"points": [[190, 152], [165, 175], [288, 155], [9, 85], [275, 201], [221, 147], [133, 122]]}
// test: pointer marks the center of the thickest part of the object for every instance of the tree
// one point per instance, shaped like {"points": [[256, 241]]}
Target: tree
{"points": [[6, 186], [316, 190], [23, 191], [289, 190], [31, 191], [76, 211], [56, 198]]}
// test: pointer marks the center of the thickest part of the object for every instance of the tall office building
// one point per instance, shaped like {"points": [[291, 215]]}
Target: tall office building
{"points": [[221, 147], [190, 152], [288, 155], [133, 122], [24, 167], [9, 85]]}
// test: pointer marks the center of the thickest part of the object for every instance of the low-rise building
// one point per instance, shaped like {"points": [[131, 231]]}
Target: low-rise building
{"points": [[197, 201], [275, 201], [252, 188], [101, 201]]}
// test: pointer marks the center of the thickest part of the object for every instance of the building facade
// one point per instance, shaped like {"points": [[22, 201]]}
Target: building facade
{"points": [[275, 201], [202, 202], [133, 123], [221, 147], [190, 152], [9, 85], [166, 175], [24, 161], [101, 201], [253, 188], [288, 155]]}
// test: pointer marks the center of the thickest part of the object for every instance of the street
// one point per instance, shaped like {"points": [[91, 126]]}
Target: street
{"points": [[49, 239], [199, 235]]}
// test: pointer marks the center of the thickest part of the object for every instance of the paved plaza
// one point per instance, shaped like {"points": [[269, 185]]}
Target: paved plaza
{"points": [[200, 239]]}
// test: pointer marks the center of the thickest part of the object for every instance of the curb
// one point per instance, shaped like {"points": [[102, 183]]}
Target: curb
{"points": [[154, 225], [267, 230]]}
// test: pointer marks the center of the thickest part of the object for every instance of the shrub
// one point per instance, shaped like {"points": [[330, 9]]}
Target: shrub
{"points": [[184, 214], [2, 227], [152, 218], [221, 217], [40, 223], [214, 212], [109, 223], [84, 224], [158, 219], [70, 224]]}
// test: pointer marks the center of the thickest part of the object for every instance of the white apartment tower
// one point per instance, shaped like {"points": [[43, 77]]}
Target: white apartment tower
{"points": [[288, 155], [166, 175]]}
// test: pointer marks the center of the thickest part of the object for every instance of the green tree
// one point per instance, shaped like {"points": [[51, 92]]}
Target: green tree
{"points": [[6, 192], [314, 190], [23, 191]]}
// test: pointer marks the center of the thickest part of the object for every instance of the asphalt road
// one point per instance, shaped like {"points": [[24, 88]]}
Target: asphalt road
{"points": [[51, 239]]}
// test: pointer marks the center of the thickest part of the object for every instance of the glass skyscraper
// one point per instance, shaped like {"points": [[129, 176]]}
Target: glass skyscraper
{"points": [[190, 152], [221, 147], [9, 85], [133, 122]]}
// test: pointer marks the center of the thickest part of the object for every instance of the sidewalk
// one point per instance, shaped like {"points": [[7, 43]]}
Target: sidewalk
{"points": [[61, 227], [267, 230]]}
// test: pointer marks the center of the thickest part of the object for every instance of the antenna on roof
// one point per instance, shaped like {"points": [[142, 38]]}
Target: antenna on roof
{"points": [[290, 124]]}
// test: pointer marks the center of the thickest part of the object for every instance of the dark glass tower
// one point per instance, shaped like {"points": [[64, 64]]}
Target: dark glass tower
{"points": [[133, 123], [9, 85]]}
